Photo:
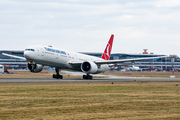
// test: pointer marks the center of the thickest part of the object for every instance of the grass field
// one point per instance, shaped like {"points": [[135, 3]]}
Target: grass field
{"points": [[120, 100]]}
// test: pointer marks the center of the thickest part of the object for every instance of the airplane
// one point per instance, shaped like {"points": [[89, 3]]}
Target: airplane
{"points": [[131, 68], [39, 56], [135, 68]]}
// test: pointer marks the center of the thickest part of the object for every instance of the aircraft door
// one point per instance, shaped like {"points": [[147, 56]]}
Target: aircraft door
{"points": [[38, 53], [57, 56], [76, 57], [42, 52]]}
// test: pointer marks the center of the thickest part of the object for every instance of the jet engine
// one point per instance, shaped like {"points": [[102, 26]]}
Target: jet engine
{"points": [[89, 67], [35, 68]]}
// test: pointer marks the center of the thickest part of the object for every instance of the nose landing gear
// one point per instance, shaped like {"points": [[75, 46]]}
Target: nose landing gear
{"points": [[57, 75]]}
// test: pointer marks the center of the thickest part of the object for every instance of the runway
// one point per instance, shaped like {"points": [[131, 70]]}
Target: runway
{"points": [[119, 79]]}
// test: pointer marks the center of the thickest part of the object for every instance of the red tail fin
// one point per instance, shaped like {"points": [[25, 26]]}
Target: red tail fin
{"points": [[107, 51]]}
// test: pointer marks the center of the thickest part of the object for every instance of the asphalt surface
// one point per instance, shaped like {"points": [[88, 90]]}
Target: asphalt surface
{"points": [[119, 79]]}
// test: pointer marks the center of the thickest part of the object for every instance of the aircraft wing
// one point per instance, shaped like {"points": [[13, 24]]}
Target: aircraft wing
{"points": [[125, 60], [112, 62], [14, 56], [98, 62]]}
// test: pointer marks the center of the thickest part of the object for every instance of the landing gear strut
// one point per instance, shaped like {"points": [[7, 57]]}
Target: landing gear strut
{"points": [[57, 75], [87, 76]]}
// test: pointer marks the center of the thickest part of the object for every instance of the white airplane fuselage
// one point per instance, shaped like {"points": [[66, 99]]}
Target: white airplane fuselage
{"points": [[61, 59]]}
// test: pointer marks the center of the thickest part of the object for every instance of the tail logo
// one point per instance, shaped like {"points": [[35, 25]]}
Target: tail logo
{"points": [[107, 51]]}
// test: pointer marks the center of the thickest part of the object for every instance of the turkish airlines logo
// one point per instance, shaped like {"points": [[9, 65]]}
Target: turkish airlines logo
{"points": [[108, 50]]}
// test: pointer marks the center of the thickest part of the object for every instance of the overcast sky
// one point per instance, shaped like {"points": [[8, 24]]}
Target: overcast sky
{"points": [[86, 25]]}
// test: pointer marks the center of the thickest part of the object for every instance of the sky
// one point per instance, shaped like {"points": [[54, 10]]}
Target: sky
{"points": [[86, 25]]}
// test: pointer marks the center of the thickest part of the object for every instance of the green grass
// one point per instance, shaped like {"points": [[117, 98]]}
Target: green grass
{"points": [[121, 100]]}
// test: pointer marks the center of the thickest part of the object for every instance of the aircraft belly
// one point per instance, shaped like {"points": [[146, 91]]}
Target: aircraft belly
{"points": [[50, 63], [76, 67]]}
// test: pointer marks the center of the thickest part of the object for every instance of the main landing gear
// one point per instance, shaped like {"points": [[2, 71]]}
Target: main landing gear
{"points": [[87, 77], [57, 75]]}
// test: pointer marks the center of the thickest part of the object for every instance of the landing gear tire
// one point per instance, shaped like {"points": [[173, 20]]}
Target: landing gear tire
{"points": [[57, 75], [87, 77]]}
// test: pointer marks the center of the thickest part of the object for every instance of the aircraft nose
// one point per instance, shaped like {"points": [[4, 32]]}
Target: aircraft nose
{"points": [[27, 54]]}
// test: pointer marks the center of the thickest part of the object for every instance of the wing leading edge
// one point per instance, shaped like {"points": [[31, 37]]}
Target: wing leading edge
{"points": [[14, 56], [116, 61]]}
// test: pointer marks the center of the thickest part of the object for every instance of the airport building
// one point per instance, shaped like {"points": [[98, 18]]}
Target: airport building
{"points": [[169, 63]]}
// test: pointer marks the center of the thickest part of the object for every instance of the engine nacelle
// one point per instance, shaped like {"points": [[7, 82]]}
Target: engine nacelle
{"points": [[35, 68], [89, 67]]}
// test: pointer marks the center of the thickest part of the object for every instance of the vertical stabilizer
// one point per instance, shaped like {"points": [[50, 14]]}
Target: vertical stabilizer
{"points": [[107, 51]]}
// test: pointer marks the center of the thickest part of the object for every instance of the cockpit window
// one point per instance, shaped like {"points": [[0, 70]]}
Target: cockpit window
{"points": [[29, 50]]}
